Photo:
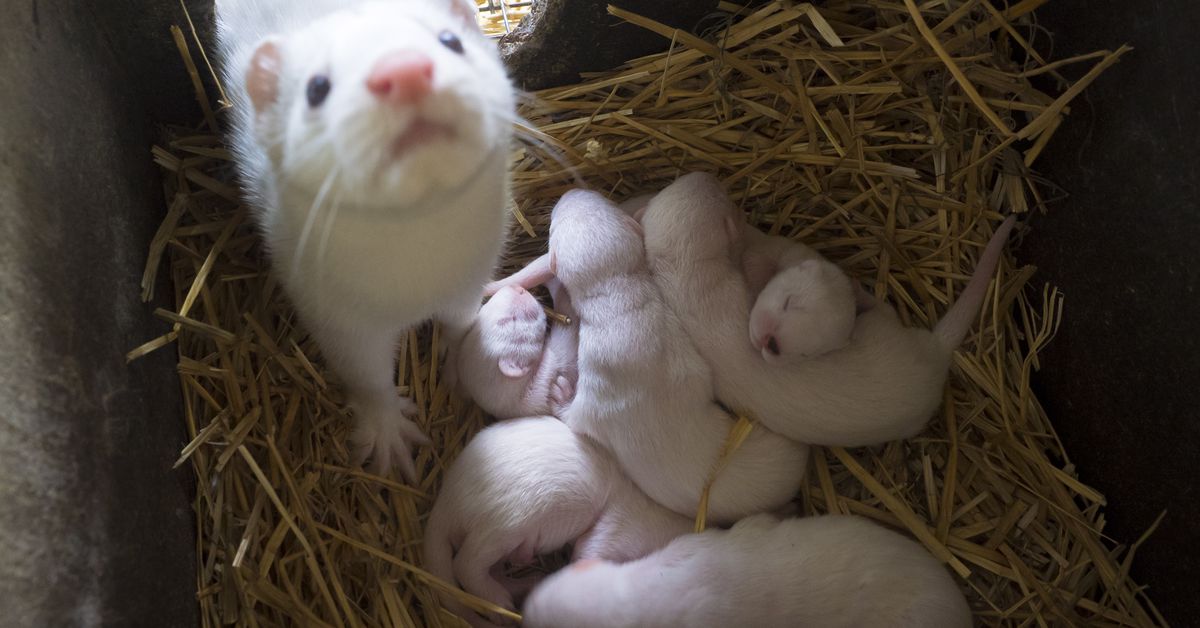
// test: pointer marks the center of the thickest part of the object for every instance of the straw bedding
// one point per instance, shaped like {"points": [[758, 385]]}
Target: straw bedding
{"points": [[890, 135]]}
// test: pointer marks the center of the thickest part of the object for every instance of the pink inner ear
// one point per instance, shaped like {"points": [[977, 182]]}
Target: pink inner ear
{"points": [[262, 80], [510, 368], [733, 229]]}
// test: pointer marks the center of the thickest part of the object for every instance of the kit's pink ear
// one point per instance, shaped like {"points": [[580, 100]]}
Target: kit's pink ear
{"points": [[262, 78], [511, 368], [465, 10], [733, 231]]}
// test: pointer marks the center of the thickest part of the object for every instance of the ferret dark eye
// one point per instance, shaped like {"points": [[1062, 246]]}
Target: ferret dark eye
{"points": [[318, 90], [451, 41]]}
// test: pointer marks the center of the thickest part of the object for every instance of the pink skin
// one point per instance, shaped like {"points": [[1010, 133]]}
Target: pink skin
{"points": [[526, 487], [643, 391], [344, 116], [508, 362], [830, 571], [883, 385], [402, 78]]}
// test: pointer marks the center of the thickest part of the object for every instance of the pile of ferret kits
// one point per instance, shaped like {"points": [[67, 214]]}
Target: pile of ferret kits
{"points": [[704, 365], [675, 304]]}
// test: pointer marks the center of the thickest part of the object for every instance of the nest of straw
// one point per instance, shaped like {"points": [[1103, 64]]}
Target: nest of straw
{"points": [[889, 135]]}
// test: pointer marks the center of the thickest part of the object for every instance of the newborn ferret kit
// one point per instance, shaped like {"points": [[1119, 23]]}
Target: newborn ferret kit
{"points": [[755, 349]]}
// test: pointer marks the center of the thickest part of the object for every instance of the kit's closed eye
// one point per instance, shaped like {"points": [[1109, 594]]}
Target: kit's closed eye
{"points": [[317, 90], [451, 41], [787, 303]]}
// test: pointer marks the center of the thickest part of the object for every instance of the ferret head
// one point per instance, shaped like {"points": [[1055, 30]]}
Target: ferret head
{"points": [[592, 239], [506, 343], [692, 219], [804, 311], [381, 104]]}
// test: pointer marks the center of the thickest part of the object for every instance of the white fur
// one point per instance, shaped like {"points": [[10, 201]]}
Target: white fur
{"points": [[508, 362], [643, 391], [368, 243], [631, 526], [831, 571], [763, 256], [520, 488], [884, 385], [527, 487], [805, 311]]}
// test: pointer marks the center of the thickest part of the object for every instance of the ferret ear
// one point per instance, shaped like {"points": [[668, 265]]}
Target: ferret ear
{"points": [[511, 368], [466, 12], [262, 78], [733, 231]]}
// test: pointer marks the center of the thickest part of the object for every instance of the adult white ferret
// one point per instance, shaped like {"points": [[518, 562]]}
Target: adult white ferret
{"points": [[883, 385], [831, 571], [643, 391], [372, 139]]}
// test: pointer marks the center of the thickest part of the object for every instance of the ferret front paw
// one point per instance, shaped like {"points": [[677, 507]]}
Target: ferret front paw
{"points": [[562, 392], [384, 435]]}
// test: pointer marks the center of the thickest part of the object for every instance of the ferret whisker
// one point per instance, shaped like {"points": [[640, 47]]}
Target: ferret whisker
{"points": [[310, 219], [531, 101], [330, 222]]}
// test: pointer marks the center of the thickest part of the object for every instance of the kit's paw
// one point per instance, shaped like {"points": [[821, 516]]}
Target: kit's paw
{"points": [[562, 392]]}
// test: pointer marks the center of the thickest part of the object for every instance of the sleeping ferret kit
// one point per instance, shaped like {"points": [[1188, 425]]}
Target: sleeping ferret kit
{"points": [[893, 137]]}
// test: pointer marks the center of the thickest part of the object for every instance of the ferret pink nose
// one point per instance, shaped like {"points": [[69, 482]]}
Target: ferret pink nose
{"points": [[402, 78]]}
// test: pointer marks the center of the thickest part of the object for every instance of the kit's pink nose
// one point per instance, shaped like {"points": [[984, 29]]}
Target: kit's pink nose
{"points": [[767, 341], [402, 78]]}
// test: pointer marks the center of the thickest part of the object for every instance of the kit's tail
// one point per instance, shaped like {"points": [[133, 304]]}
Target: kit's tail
{"points": [[536, 273], [439, 561], [954, 325]]}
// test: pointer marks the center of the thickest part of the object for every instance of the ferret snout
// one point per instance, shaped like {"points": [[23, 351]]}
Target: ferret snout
{"points": [[763, 334], [401, 78]]}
